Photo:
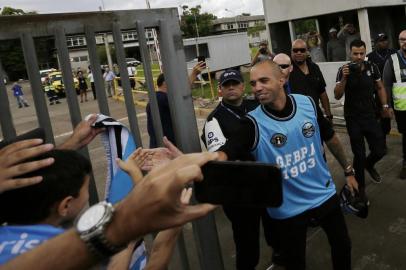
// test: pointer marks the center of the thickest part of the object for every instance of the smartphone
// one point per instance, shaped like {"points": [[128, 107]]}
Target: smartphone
{"points": [[240, 183], [202, 58]]}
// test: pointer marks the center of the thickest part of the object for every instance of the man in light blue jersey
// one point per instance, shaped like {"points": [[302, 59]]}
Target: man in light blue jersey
{"points": [[287, 133]]}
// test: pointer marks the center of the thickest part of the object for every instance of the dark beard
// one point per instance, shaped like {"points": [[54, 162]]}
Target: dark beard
{"points": [[299, 63], [404, 50]]}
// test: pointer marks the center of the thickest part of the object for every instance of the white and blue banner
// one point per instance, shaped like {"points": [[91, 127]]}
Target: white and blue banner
{"points": [[119, 143]]}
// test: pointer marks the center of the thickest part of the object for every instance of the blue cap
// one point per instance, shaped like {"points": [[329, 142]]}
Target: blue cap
{"points": [[231, 75]]}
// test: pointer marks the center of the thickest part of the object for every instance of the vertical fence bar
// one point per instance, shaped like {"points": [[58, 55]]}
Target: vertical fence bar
{"points": [[156, 119], [125, 84], [186, 133], [71, 97], [64, 62], [6, 120], [96, 70], [31, 63]]}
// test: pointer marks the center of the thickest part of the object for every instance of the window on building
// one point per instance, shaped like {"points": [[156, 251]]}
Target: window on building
{"points": [[75, 59], [99, 39], [83, 58], [190, 51], [75, 41], [243, 25], [230, 26], [129, 36]]}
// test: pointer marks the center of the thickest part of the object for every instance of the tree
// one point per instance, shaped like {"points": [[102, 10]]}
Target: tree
{"points": [[14, 11], [191, 17], [11, 53]]}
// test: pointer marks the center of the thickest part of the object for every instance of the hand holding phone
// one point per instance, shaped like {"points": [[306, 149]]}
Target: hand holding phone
{"points": [[242, 183]]}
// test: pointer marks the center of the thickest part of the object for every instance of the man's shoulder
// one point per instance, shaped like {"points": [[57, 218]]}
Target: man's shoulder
{"points": [[215, 112]]}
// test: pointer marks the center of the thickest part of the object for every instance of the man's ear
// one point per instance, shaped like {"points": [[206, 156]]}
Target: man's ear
{"points": [[220, 92], [63, 208]]}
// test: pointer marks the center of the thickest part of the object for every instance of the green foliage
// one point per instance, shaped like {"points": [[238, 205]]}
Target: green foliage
{"points": [[101, 52], [191, 17], [305, 26], [14, 11], [256, 29]]}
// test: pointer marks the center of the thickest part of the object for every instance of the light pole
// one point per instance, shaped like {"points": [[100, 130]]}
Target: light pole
{"points": [[197, 35], [235, 18]]}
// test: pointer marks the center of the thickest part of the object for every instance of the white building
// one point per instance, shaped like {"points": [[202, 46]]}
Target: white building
{"points": [[253, 25], [369, 16]]}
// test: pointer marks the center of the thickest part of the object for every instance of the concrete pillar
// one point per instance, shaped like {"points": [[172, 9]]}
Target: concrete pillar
{"points": [[364, 28], [292, 31]]}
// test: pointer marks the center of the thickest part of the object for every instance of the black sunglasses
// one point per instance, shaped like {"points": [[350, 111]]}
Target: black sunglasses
{"points": [[296, 50], [284, 66]]}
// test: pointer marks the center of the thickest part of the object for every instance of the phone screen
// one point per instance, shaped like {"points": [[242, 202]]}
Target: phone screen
{"points": [[242, 183], [201, 58]]}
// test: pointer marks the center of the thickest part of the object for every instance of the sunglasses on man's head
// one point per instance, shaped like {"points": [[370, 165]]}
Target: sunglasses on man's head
{"points": [[296, 50], [284, 66]]}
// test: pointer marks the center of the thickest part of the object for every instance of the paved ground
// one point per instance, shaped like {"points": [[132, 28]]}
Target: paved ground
{"points": [[379, 242]]}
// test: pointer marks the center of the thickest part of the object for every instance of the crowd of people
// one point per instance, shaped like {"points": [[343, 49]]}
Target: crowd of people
{"points": [[283, 124]]}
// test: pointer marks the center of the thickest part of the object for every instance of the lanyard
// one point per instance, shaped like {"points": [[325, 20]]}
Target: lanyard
{"points": [[231, 111]]}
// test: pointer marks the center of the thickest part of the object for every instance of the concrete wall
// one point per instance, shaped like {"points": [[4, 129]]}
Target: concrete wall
{"points": [[329, 70], [225, 51], [283, 10]]}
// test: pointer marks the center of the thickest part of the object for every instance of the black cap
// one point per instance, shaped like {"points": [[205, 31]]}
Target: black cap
{"points": [[231, 75], [37, 133], [381, 36]]}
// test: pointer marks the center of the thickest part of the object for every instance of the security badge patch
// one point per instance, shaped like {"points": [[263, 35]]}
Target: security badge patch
{"points": [[278, 140], [308, 129]]}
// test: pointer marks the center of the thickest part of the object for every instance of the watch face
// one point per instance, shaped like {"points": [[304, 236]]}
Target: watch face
{"points": [[91, 217]]}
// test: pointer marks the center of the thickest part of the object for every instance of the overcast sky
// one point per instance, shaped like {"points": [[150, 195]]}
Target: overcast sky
{"points": [[216, 7]]}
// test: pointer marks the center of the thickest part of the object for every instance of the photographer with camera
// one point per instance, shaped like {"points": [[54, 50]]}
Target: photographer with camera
{"points": [[358, 80], [263, 53]]}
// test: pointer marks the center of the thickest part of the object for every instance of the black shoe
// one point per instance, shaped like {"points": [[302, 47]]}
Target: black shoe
{"points": [[58, 102], [51, 103], [376, 178]]}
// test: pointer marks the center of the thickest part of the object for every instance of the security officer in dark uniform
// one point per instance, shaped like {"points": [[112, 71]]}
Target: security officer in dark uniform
{"points": [[358, 80], [394, 77], [379, 57], [223, 124]]}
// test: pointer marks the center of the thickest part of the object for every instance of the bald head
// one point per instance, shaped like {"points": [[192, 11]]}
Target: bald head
{"points": [[402, 41], [271, 66], [283, 61], [300, 43]]}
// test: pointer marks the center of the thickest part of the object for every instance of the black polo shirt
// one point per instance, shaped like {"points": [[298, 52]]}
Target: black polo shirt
{"points": [[379, 57], [311, 84], [359, 91], [227, 123]]}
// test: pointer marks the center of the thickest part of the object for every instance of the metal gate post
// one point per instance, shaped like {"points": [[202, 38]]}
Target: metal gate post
{"points": [[6, 120], [186, 133], [30, 57], [125, 84]]}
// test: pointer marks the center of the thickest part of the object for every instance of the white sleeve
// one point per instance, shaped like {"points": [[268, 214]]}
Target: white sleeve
{"points": [[214, 135]]}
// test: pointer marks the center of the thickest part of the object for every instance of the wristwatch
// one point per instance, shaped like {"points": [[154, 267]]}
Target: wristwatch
{"points": [[349, 172], [385, 106], [91, 227]]}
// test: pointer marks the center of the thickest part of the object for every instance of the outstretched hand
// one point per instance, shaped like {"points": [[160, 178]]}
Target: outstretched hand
{"points": [[134, 163], [82, 135], [158, 198], [12, 163], [161, 155]]}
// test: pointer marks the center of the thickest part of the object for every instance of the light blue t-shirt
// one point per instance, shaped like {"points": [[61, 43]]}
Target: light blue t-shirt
{"points": [[294, 144], [15, 240]]}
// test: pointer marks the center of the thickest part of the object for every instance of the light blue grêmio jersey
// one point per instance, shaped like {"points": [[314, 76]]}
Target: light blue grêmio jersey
{"points": [[294, 144]]}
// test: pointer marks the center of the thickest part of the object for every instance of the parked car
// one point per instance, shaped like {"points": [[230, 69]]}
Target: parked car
{"points": [[132, 62], [57, 82], [44, 74]]}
